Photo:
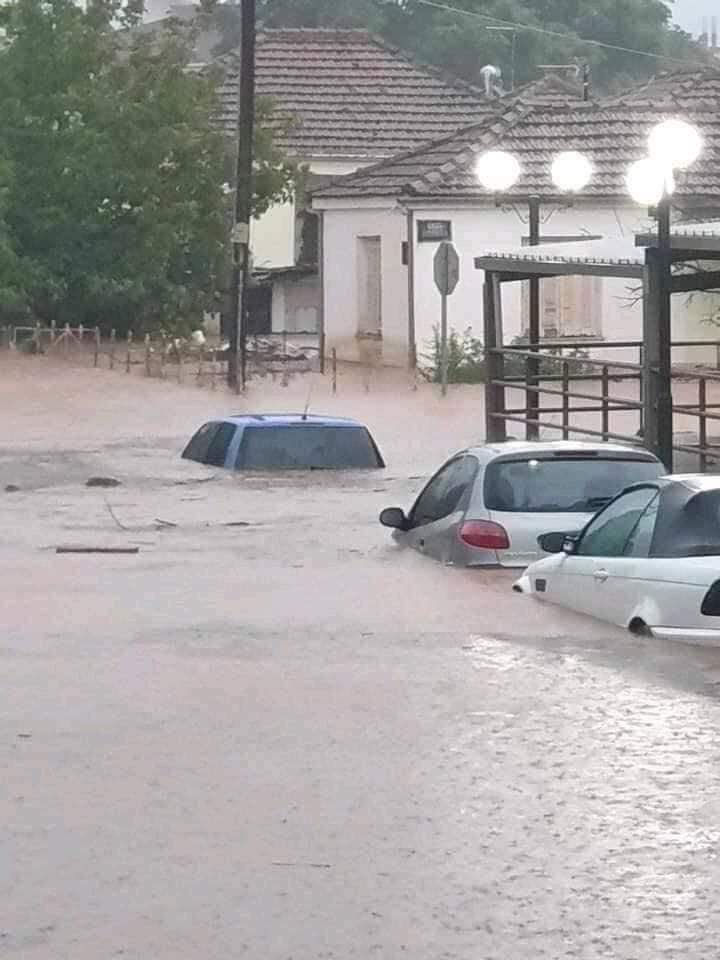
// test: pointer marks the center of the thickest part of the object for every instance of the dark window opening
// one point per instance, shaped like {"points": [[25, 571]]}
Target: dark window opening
{"points": [[198, 447], [306, 447], [217, 451], [444, 493]]}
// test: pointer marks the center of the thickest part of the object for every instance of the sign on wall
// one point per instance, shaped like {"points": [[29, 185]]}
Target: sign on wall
{"points": [[434, 231]]}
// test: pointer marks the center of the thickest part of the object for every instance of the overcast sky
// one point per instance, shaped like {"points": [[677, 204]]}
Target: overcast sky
{"points": [[689, 13]]}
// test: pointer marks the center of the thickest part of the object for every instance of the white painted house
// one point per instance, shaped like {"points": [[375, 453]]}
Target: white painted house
{"points": [[383, 224], [351, 100]]}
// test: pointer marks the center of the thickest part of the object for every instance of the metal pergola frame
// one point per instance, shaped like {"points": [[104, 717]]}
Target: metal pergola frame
{"points": [[650, 269]]}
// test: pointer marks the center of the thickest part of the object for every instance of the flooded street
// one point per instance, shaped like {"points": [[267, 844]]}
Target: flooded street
{"points": [[273, 734]]}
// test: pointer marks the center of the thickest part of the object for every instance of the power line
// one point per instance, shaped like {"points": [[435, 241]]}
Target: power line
{"points": [[556, 33]]}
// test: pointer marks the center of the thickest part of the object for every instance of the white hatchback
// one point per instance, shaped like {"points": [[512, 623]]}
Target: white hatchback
{"points": [[488, 505], [650, 561]]}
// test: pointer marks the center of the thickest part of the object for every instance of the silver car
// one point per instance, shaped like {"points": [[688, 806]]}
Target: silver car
{"points": [[488, 505]]}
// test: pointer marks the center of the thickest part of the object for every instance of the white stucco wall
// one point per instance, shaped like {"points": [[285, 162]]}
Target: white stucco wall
{"points": [[296, 304], [695, 312], [481, 230], [476, 231], [341, 233], [272, 237]]}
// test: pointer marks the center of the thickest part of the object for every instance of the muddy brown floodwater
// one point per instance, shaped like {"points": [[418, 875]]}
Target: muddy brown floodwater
{"points": [[290, 740]]}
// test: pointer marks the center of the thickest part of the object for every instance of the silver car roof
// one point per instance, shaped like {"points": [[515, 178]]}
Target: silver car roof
{"points": [[490, 451]]}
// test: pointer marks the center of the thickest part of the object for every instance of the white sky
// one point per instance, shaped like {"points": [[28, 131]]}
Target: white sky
{"points": [[689, 13]]}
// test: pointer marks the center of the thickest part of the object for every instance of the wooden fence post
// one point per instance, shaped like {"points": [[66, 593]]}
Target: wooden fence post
{"points": [[147, 354], [112, 349], [128, 359], [163, 351], [53, 333], [96, 358], [334, 370], [66, 334]]}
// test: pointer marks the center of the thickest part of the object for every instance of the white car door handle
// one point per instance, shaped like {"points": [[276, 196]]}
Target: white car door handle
{"points": [[601, 575]]}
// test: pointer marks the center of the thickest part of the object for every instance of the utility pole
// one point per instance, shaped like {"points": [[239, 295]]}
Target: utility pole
{"points": [[533, 365], [237, 366]]}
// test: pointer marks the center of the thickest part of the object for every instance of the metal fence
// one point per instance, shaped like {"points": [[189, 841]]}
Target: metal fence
{"points": [[159, 355], [556, 369]]}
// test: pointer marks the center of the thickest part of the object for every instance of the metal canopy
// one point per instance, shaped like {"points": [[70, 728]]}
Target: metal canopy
{"points": [[694, 245], [600, 258], [694, 240]]}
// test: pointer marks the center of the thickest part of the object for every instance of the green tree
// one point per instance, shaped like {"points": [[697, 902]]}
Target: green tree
{"points": [[112, 196], [462, 43], [322, 13]]}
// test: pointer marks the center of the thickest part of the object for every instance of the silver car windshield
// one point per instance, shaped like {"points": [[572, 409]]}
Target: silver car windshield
{"points": [[561, 485]]}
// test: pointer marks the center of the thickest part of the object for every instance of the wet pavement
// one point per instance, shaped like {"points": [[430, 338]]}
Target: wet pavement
{"points": [[287, 738]]}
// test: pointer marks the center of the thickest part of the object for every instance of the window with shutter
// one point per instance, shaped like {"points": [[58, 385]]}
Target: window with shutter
{"points": [[569, 307]]}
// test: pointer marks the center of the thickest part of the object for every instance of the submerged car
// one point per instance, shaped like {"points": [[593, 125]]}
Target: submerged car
{"points": [[284, 442], [650, 561], [488, 505]]}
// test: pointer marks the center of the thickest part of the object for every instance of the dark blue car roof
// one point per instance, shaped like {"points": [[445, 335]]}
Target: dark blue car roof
{"points": [[288, 419]]}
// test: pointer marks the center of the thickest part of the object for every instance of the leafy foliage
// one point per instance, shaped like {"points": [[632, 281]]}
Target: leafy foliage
{"points": [[112, 171], [466, 363], [463, 43], [466, 359]]}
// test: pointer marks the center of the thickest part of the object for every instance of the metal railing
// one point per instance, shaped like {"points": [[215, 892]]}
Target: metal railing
{"points": [[550, 372]]}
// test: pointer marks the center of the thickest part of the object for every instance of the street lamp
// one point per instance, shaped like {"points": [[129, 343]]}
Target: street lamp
{"points": [[672, 145], [498, 172]]}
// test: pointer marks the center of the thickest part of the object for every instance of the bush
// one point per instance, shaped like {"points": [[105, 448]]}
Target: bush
{"points": [[466, 359]]}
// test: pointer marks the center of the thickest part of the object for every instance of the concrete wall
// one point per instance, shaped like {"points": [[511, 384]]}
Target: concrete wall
{"points": [[341, 233], [272, 237], [691, 316], [296, 304], [475, 231], [481, 230]]}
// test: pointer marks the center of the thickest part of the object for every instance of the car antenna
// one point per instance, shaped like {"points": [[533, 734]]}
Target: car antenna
{"points": [[307, 405]]}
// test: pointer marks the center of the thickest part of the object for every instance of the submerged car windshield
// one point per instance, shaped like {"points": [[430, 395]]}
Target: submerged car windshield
{"points": [[573, 485], [300, 447]]}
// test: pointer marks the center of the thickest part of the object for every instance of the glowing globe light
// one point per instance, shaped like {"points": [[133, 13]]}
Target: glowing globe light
{"points": [[497, 170], [675, 143], [571, 171], [647, 181]]}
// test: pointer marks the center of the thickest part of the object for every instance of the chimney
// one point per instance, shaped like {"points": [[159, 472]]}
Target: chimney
{"points": [[490, 73]]}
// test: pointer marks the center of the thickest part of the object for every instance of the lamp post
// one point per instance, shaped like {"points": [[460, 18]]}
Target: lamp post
{"points": [[672, 145], [498, 172]]}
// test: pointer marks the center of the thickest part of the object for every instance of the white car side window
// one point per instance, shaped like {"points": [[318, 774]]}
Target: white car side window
{"points": [[609, 532], [640, 539]]}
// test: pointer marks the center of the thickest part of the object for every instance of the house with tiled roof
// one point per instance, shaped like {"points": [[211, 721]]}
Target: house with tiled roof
{"points": [[381, 225], [341, 100]]}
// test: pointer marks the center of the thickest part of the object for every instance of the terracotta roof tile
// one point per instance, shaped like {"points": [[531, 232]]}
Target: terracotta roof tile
{"points": [[349, 94], [612, 133]]}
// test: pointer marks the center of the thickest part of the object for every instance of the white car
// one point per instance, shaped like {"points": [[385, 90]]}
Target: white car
{"points": [[650, 561], [488, 505]]}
